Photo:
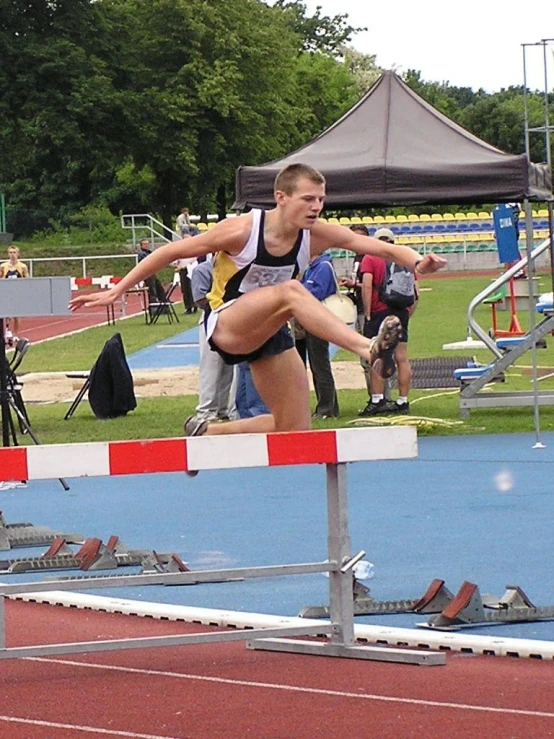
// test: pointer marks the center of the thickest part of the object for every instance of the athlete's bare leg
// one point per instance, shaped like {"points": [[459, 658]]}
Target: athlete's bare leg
{"points": [[247, 324], [282, 381]]}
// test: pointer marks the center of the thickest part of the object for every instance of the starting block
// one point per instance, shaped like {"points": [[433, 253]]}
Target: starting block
{"points": [[93, 555], [22, 535], [468, 608]]}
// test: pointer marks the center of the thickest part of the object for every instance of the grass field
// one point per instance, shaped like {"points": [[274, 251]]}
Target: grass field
{"points": [[440, 319]]}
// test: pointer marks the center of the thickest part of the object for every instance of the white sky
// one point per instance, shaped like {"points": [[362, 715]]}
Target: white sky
{"points": [[467, 44]]}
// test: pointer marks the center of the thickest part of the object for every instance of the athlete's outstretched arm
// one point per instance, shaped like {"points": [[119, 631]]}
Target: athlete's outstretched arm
{"points": [[330, 236], [226, 235]]}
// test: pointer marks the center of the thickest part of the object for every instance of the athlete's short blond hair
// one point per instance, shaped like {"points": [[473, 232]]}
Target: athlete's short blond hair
{"points": [[288, 177]]}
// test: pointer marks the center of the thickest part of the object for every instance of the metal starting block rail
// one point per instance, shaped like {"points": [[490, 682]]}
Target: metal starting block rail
{"points": [[334, 448], [435, 598]]}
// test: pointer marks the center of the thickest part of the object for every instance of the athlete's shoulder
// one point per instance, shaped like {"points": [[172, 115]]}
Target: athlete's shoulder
{"points": [[232, 234]]}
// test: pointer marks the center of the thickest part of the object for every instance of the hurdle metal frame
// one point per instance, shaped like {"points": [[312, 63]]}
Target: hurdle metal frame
{"points": [[334, 448]]}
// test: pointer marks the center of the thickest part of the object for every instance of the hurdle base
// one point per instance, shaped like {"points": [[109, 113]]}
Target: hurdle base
{"points": [[355, 651]]}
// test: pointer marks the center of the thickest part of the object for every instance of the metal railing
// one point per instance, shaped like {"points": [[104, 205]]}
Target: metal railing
{"points": [[138, 223], [82, 260]]}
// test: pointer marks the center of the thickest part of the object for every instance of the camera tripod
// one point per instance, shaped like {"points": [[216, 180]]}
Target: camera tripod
{"points": [[11, 400]]}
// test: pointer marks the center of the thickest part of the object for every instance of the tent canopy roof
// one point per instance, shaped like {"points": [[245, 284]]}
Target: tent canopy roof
{"points": [[393, 148]]}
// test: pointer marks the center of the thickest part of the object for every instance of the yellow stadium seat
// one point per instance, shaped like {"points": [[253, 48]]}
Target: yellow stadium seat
{"points": [[424, 217], [202, 226], [535, 213], [378, 219], [450, 238], [323, 220], [437, 217], [543, 213], [333, 220], [403, 240], [356, 220], [402, 219], [415, 239], [344, 221], [211, 224], [485, 216], [448, 217], [460, 216], [367, 219], [390, 219], [413, 218], [471, 216]]}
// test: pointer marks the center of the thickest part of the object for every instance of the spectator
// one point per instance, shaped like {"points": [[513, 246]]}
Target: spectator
{"points": [[156, 292], [248, 400], [183, 223], [319, 279], [185, 268], [13, 269], [215, 376], [372, 270], [184, 226]]}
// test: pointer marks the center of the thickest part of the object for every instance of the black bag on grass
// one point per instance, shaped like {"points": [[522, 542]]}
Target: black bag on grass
{"points": [[111, 391]]}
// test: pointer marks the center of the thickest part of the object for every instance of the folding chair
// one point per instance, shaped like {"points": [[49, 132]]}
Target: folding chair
{"points": [[165, 307]]}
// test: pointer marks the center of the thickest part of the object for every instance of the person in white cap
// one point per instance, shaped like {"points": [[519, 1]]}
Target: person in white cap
{"points": [[380, 303]]}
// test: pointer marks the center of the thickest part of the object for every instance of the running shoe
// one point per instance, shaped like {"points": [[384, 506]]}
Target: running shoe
{"points": [[381, 353], [195, 426]]}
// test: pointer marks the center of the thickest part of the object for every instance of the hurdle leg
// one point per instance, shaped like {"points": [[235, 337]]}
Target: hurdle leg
{"points": [[342, 643], [341, 597]]}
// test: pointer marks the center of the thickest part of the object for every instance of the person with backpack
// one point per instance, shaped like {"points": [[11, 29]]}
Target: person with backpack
{"points": [[388, 290]]}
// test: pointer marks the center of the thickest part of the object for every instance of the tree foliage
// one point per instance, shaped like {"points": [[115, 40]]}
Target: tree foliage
{"points": [[149, 105]]}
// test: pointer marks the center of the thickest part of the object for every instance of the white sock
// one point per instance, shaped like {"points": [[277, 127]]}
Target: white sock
{"points": [[376, 398], [402, 399]]}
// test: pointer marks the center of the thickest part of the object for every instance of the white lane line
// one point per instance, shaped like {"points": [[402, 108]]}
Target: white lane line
{"points": [[300, 689], [85, 729]]}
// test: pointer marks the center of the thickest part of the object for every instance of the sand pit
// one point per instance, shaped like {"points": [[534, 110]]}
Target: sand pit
{"points": [[56, 387]]}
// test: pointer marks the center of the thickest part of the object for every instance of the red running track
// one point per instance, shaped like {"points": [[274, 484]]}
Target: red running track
{"points": [[224, 691], [48, 327]]}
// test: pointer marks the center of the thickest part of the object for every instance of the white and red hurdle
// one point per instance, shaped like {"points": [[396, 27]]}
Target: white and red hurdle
{"points": [[334, 448]]}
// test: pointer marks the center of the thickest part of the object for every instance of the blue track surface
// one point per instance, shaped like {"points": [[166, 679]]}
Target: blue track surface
{"points": [[438, 516], [178, 351]]}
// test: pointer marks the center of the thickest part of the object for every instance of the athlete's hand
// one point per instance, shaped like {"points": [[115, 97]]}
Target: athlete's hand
{"points": [[430, 263], [100, 299]]}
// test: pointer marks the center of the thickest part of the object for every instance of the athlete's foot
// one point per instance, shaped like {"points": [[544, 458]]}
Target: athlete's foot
{"points": [[381, 351], [195, 426]]}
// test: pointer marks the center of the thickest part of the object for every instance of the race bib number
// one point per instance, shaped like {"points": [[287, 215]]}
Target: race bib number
{"points": [[263, 276]]}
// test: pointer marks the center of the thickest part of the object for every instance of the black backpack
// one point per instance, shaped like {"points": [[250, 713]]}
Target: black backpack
{"points": [[398, 287]]}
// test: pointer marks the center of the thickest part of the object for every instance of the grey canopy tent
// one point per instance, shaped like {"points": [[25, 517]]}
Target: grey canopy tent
{"points": [[394, 148]]}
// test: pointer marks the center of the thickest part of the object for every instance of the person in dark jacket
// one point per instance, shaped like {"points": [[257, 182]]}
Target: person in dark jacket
{"points": [[320, 280]]}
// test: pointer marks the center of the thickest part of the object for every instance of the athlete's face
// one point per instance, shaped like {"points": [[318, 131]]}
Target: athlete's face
{"points": [[12, 255], [304, 204]]}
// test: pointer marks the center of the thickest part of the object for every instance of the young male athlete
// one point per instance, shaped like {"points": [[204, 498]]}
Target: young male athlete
{"points": [[254, 294]]}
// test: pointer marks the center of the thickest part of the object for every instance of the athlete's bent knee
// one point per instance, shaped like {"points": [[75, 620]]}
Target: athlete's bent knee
{"points": [[294, 290]]}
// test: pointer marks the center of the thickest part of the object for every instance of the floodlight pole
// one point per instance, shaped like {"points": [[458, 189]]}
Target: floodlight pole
{"points": [[529, 216]]}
